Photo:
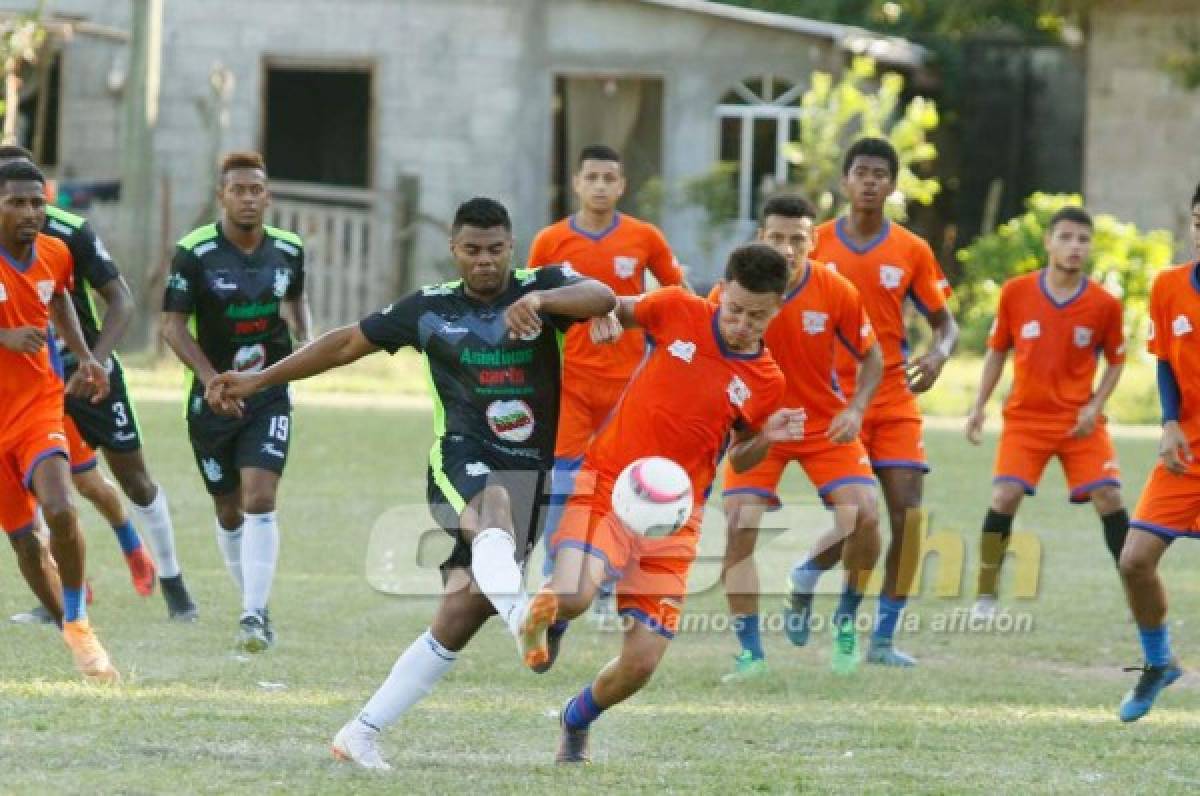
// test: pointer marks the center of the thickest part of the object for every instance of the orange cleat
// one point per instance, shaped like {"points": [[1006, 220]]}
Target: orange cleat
{"points": [[141, 571], [532, 639], [90, 658]]}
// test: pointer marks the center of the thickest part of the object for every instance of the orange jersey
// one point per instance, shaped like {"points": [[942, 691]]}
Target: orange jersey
{"points": [[820, 315], [895, 266], [688, 395], [28, 381], [1174, 334], [618, 257], [1056, 348]]}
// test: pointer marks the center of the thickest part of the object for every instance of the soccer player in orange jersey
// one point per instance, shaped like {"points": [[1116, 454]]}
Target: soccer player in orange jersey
{"points": [[1169, 507], [733, 385], [618, 250], [821, 313], [889, 265], [35, 281], [1058, 323]]}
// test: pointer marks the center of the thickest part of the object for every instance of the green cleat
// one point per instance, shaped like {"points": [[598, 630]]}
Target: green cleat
{"points": [[745, 667], [845, 649]]}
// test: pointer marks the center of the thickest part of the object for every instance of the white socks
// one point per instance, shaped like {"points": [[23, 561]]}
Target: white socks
{"points": [[413, 676], [260, 551], [155, 523], [497, 573], [230, 545]]}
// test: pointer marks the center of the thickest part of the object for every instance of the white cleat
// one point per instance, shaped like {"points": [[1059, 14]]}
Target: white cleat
{"points": [[984, 608], [357, 743]]}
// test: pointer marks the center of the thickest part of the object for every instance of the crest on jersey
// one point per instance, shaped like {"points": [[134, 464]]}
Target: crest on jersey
{"points": [[1181, 326], [3, 292], [738, 392], [1083, 337], [283, 279], [45, 289], [624, 267], [1031, 330], [681, 349], [814, 322], [890, 276]]}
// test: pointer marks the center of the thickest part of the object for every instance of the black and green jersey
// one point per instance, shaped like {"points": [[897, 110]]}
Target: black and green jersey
{"points": [[486, 385], [94, 266], [234, 298]]}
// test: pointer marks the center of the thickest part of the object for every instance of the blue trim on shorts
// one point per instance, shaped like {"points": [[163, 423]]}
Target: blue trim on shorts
{"points": [[613, 572], [1029, 488], [1161, 531], [90, 464], [56, 450], [899, 464], [823, 492], [24, 530], [1084, 493], [648, 621], [773, 501]]}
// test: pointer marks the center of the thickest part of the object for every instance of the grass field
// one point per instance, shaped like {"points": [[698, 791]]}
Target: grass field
{"points": [[986, 712]]}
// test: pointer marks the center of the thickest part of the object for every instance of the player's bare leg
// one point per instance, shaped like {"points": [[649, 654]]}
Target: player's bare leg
{"points": [[739, 575], [259, 556], [51, 481], [641, 651], [1148, 602], [154, 518], [38, 568], [101, 493], [855, 507], [997, 528], [460, 613], [902, 493]]}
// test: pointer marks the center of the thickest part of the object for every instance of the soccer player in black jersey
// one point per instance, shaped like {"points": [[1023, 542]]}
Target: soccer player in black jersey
{"points": [[240, 283], [490, 340], [111, 425]]}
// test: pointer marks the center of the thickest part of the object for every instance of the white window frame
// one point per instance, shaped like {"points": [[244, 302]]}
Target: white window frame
{"points": [[782, 110]]}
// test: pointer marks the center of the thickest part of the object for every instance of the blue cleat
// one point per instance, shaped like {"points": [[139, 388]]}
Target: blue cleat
{"points": [[1154, 679], [796, 613], [884, 653]]}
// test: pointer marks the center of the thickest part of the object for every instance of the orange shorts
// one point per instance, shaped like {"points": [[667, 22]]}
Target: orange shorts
{"points": [[583, 408], [828, 466], [892, 435], [1088, 462], [650, 572], [1170, 504], [21, 450], [82, 457]]}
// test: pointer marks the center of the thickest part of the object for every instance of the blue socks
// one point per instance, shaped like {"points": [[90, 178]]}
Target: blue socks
{"points": [[746, 627], [805, 576], [582, 710], [848, 607], [127, 537], [1156, 644], [74, 604], [889, 616]]}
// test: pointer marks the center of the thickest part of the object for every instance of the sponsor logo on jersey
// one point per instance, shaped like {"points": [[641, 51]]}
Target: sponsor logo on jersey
{"points": [[682, 349], [1181, 326], [511, 421], [624, 267], [890, 276], [256, 309], [250, 358], [738, 392], [496, 377], [814, 322], [283, 279], [477, 469], [1031, 330], [124, 436], [1083, 337], [496, 357], [270, 449], [177, 282], [45, 289], [221, 283]]}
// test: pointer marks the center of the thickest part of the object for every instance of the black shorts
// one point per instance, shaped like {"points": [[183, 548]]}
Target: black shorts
{"points": [[459, 469], [224, 445], [112, 423]]}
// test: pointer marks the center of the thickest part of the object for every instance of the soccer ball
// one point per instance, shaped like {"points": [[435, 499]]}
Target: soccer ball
{"points": [[653, 496]]}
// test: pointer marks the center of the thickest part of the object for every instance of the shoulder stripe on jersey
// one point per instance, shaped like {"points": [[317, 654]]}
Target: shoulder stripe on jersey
{"points": [[70, 219], [198, 236], [283, 234], [283, 245], [59, 227]]}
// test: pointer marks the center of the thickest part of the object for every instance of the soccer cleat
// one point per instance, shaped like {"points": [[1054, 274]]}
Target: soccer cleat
{"points": [[357, 743], [845, 649], [554, 635], [572, 744], [984, 608], [745, 668], [90, 658], [180, 607], [533, 636], [883, 653], [252, 633], [1154, 679], [38, 615], [796, 613], [141, 571]]}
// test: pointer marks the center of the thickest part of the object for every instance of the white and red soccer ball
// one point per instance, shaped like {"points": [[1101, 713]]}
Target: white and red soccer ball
{"points": [[653, 496]]}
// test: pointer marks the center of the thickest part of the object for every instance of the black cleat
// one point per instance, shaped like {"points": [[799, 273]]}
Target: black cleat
{"points": [[572, 744], [38, 615], [252, 633], [180, 607], [554, 635]]}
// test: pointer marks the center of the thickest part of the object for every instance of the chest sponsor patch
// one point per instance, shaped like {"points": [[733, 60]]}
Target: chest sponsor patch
{"points": [[250, 358], [511, 421]]}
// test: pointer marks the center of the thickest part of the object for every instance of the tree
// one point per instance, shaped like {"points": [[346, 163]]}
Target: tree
{"points": [[21, 40]]}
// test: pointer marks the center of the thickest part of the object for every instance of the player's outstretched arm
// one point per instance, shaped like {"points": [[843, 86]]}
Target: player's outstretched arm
{"points": [[91, 380], [993, 368], [118, 313], [924, 371], [587, 298]]}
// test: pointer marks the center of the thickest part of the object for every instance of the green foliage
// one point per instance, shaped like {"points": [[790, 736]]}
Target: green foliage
{"points": [[862, 103], [715, 194], [1124, 260], [1182, 62]]}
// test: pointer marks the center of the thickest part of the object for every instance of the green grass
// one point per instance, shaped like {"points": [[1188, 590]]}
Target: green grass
{"points": [[985, 713]]}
